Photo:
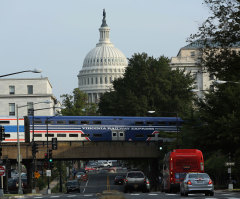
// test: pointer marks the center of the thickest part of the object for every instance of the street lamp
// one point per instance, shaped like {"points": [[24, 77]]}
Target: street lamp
{"points": [[24, 71], [18, 145]]}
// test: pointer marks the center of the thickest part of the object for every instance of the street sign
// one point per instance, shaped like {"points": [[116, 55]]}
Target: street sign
{"points": [[36, 174], [2, 170], [229, 164], [48, 173]]}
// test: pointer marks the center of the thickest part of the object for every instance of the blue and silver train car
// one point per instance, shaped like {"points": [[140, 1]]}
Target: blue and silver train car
{"points": [[10, 126], [99, 128]]}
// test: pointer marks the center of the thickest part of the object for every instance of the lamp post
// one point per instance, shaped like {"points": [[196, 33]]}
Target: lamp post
{"points": [[24, 71], [33, 143]]}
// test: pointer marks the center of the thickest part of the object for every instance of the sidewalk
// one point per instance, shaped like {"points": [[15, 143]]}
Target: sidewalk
{"points": [[51, 186]]}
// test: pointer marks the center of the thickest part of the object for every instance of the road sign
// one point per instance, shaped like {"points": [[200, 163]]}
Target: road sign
{"points": [[229, 164], [48, 173], [36, 174], [2, 170]]}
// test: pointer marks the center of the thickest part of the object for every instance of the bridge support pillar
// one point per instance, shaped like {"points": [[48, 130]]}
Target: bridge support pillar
{"points": [[29, 167], [154, 174]]}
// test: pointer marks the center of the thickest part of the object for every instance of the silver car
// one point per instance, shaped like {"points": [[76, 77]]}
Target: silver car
{"points": [[197, 183], [136, 180]]}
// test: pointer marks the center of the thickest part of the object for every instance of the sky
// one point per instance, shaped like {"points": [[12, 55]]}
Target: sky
{"points": [[56, 35]]}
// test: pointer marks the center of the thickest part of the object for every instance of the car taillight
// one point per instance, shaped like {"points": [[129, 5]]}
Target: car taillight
{"points": [[125, 180], [210, 181], [189, 182]]}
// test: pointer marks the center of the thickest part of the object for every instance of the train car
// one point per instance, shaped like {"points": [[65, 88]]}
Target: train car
{"points": [[179, 162], [10, 126], [99, 128]]}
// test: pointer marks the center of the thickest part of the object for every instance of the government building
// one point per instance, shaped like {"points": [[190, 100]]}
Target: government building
{"points": [[101, 66]]}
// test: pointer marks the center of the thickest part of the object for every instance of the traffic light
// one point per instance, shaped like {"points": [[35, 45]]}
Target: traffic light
{"points": [[45, 160], [34, 148], [2, 133], [50, 156], [160, 145], [54, 143]]}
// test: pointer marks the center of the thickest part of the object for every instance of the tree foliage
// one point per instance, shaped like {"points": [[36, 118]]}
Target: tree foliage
{"points": [[217, 125], [76, 104], [148, 84]]}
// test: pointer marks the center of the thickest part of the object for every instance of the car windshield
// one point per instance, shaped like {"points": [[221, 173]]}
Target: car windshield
{"points": [[72, 183], [198, 175], [135, 175]]}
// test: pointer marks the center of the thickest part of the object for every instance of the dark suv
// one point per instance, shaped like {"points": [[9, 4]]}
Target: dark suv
{"points": [[73, 185], [136, 180]]}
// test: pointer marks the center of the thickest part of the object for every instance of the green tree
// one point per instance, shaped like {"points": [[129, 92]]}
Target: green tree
{"points": [[148, 84], [215, 128], [76, 104]]}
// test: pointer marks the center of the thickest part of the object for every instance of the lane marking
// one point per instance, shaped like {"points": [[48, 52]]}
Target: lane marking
{"points": [[71, 196], [54, 196], [88, 195], [153, 194], [134, 194]]}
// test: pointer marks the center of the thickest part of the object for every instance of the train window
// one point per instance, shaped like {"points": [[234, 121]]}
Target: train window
{"points": [[7, 136], [150, 123], [97, 122], [172, 123], [49, 135], [138, 123], [139, 135], [97, 135], [61, 135], [72, 122], [84, 122], [61, 122], [73, 135], [37, 122], [84, 135], [48, 122], [121, 134], [37, 135], [162, 123], [4, 122], [114, 134], [150, 135]]}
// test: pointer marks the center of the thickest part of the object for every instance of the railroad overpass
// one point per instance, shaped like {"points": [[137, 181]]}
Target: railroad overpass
{"points": [[86, 150]]}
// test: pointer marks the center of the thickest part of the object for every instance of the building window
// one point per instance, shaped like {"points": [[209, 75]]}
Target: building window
{"points": [[106, 80], [11, 109], [96, 80], [11, 90], [211, 77], [92, 80], [192, 53], [30, 89], [101, 80], [30, 108]]}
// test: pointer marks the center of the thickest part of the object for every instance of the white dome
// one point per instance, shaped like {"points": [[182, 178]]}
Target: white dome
{"points": [[105, 55], [102, 65]]}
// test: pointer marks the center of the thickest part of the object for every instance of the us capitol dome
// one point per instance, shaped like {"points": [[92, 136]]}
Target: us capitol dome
{"points": [[101, 66]]}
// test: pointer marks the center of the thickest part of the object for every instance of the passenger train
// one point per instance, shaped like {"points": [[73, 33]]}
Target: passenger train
{"points": [[89, 128]]}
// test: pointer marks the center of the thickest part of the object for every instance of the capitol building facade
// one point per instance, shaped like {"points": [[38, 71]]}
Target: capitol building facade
{"points": [[101, 66]]}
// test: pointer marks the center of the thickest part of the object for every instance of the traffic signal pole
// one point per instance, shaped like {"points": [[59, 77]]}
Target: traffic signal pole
{"points": [[48, 190]]}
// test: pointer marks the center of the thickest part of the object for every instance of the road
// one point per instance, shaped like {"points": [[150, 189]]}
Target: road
{"points": [[97, 185]]}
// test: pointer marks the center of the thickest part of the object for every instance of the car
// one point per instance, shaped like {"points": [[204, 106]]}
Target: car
{"points": [[136, 180], [196, 183], [73, 185], [81, 176], [13, 185], [119, 180]]}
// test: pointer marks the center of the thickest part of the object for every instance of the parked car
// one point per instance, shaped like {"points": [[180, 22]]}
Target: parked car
{"points": [[197, 183], [136, 180], [73, 185], [13, 185], [119, 180], [82, 176]]}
